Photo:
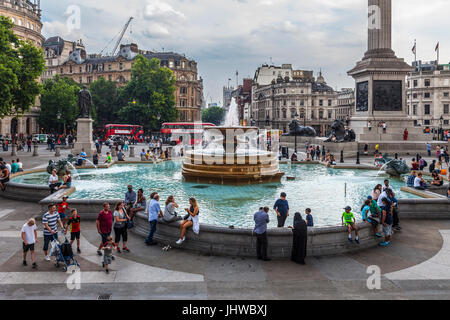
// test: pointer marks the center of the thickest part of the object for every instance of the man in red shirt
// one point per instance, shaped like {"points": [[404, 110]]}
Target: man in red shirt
{"points": [[74, 223], [62, 208], [104, 225]]}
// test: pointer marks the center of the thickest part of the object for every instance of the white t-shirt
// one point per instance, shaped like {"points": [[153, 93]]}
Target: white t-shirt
{"points": [[382, 196], [19, 165], [417, 182], [52, 179], [29, 233], [8, 166]]}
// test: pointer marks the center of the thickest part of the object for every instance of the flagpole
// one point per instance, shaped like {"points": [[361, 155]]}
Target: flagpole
{"points": [[415, 51], [438, 49]]}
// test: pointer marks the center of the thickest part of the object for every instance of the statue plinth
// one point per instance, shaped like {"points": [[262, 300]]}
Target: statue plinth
{"points": [[84, 137]]}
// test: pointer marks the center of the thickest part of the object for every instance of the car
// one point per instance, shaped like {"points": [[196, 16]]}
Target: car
{"points": [[40, 138]]}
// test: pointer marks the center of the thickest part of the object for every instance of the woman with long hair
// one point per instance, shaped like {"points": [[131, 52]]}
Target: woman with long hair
{"points": [[67, 181], [170, 214], [120, 225], [140, 204], [377, 192], [190, 221]]}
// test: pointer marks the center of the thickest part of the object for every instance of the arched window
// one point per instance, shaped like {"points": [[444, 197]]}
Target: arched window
{"points": [[19, 22], [284, 113], [28, 25], [13, 20]]}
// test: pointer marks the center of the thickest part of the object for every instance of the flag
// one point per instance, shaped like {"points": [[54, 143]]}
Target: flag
{"points": [[414, 49], [437, 47]]}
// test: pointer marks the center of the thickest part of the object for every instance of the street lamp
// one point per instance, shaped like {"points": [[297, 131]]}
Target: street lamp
{"points": [[296, 116], [58, 116], [441, 120]]}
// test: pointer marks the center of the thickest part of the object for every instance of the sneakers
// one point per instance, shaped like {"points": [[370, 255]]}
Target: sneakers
{"points": [[47, 258], [24, 263], [103, 265], [113, 258], [107, 271], [350, 240], [357, 241], [34, 265], [126, 249], [378, 235], [385, 244], [78, 250], [118, 250], [180, 241], [99, 253]]}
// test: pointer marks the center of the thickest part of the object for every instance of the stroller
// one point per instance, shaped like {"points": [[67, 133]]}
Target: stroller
{"points": [[63, 253]]}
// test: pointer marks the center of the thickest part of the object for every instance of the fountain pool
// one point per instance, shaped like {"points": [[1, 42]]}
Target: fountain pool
{"points": [[317, 187]]}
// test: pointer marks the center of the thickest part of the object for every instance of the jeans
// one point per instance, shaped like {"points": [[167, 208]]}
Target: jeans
{"points": [[261, 245], [149, 238], [281, 220]]}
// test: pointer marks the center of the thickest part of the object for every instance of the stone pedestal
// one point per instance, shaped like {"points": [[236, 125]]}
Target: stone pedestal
{"points": [[131, 152], [84, 137], [35, 150], [14, 150], [58, 151], [380, 81]]}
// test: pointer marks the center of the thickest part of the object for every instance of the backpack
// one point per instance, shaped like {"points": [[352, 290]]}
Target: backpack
{"points": [[66, 249], [425, 163]]}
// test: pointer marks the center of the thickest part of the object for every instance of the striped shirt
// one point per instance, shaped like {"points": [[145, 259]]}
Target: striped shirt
{"points": [[52, 220]]}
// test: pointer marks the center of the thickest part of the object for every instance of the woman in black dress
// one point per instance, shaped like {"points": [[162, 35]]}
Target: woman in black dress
{"points": [[300, 239]]}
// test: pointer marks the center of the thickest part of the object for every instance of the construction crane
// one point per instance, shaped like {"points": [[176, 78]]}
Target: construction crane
{"points": [[121, 33]]}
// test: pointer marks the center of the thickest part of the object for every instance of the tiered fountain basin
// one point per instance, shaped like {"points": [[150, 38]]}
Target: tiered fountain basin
{"points": [[231, 161]]}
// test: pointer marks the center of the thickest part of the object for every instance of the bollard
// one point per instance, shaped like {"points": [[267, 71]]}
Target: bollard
{"points": [[113, 152], [57, 151], [342, 156], [14, 150], [357, 158], [396, 156], [131, 152], [35, 150]]}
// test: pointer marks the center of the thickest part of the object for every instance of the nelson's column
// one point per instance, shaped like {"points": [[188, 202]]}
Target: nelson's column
{"points": [[380, 82]]}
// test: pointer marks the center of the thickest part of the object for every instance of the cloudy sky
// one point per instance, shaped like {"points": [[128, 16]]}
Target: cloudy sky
{"points": [[228, 35]]}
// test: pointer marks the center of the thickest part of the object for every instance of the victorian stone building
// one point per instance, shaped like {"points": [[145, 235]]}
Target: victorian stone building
{"points": [[26, 16], [86, 68], [291, 94], [428, 94], [345, 104]]}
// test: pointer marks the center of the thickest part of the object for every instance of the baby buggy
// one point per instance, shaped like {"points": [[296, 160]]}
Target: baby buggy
{"points": [[64, 254]]}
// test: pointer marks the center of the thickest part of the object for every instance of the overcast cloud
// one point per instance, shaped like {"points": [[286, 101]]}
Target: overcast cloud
{"points": [[228, 35]]}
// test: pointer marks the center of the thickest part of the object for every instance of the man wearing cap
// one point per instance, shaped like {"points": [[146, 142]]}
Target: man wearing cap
{"points": [[348, 219]]}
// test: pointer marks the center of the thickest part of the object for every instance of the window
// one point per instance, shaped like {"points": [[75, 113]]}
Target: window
{"points": [[427, 109], [284, 113], [408, 84], [414, 95], [80, 80], [109, 67], [28, 25], [312, 114], [183, 90], [446, 122], [415, 83], [312, 103], [19, 22], [293, 103], [446, 109], [61, 70], [302, 102], [427, 82], [446, 94], [120, 66], [329, 114], [171, 64], [320, 114], [89, 79], [284, 102], [110, 77], [70, 69], [81, 70], [415, 109], [321, 103], [329, 103], [284, 90], [192, 102], [427, 122], [427, 95], [13, 20]]}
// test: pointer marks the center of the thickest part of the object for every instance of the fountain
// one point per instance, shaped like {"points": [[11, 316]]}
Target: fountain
{"points": [[61, 166]]}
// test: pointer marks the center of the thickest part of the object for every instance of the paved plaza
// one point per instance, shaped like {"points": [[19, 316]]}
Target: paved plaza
{"points": [[416, 266]]}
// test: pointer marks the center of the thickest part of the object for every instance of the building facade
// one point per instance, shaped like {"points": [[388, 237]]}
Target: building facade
{"points": [[85, 69], [345, 104], [227, 96], [26, 16], [428, 94], [297, 95], [243, 97]]}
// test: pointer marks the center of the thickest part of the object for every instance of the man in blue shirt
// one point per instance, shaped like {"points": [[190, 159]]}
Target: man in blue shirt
{"points": [[154, 211], [282, 209], [130, 198], [261, 220]]}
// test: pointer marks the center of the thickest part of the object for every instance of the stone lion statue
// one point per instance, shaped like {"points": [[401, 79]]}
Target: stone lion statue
{"points": [[340, 134], [295, 129], [395, 167], [61, 165]]}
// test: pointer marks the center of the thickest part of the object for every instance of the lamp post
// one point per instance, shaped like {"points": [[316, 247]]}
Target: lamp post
{"points": [[296, 116], [441, 133], [58, 116]]}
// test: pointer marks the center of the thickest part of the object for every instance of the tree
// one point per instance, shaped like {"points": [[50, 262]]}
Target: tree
{"points": [[60, 95], [149, 93], [213, 115], [21, 64], [104, 101]]}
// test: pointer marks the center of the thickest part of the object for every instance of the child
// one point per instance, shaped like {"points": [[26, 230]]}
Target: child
{"points": [[29, 237], [62, 207], [108, 247], [309, 218], [350, 223], [108, 158], [367, 216], [75, 230]]}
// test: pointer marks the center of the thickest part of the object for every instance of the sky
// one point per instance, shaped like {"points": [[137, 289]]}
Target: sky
{"points": [[225, 36]]}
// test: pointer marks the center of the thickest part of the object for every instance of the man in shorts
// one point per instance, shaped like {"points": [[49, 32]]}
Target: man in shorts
{"points": [[386, 222], [63, 207], [348, 219], [29, 237], [50, 220], [75, 231]]}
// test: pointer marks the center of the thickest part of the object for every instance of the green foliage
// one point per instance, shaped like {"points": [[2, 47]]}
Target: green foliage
{"points": [[213, 115], [59, 95], [104, 101], [21, 64], [149, 93]]}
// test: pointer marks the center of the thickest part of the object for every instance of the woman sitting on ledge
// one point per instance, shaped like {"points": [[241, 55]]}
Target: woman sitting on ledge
{"points": [[67, 181], [191, 220], [438, 181], [170, 215], [419, 182]]}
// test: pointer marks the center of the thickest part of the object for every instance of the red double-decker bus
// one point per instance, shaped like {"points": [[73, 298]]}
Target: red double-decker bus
{"points": [[186, 130], [124, 130]]}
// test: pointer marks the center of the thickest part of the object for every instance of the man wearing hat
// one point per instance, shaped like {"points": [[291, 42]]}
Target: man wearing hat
{"points": [[348, 219], [63, 208]]}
